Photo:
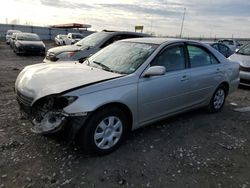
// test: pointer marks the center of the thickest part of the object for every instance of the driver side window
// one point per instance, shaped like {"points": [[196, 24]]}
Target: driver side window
{"points": [[172, 59]]}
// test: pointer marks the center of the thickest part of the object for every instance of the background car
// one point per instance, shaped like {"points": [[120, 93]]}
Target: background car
{"points": [[242, 56], [222, 48], [231, 43], [74, 37], [87, 46], [61, 40], [28, 43], [9, 34], [12, 40], [128, 84]]}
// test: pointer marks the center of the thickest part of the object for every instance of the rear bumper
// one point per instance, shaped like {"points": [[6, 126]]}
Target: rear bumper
{"points": [[234, 85], [245, 75]]}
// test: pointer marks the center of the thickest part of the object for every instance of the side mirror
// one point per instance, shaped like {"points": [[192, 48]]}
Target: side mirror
{"points": [[155, 71], [237, 49]]}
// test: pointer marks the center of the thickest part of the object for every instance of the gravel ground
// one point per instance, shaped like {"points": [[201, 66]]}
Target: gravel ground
{"points": [[194, 149]]}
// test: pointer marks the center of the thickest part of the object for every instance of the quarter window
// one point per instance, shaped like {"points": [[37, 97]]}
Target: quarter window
{"points": [[199, 57], [171, 58]]}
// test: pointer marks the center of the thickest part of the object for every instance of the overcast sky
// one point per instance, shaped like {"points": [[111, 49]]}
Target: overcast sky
{"points": [[208, 18]]}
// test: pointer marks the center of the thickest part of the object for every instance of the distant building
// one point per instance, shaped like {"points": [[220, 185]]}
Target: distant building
{"points": [[72, 26]]}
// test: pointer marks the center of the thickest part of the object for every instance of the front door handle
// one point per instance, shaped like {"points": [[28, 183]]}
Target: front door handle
{"points": [[184, 78], [218, 70]]}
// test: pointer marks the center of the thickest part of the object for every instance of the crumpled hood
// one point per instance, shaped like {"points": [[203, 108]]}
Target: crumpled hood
{"points": [[244, 60], [37, 81], [35, 43], [67, 48]]}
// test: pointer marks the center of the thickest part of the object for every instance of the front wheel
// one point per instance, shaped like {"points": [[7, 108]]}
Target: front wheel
{"points": [[104, 132], [217, 100]]}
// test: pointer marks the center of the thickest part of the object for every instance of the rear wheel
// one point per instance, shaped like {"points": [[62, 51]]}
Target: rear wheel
{"points": [[104, 131], [217, 100]]}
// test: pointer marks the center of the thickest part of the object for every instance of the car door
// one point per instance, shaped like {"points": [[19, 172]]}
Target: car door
{"points": [[206, 72], [164, 94]]}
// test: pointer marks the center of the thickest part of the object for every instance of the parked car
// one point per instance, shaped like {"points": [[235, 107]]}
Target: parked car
{"points": [[242, 56], [74, 37], [61, 40], [87, 46], [231, 43], [124, 86], [12, 40], [9, 33], [27, 43], [222, 48]]}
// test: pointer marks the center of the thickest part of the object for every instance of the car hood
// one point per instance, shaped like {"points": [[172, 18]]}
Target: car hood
{"points": [[38, 43], [60, 49], [244, 60], [37, 81]]}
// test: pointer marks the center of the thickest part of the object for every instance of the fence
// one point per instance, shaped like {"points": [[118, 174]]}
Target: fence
{"points": [[45, 33]]}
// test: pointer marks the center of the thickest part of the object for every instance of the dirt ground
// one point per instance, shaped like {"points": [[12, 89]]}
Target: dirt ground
{"points": [[195, 149]]}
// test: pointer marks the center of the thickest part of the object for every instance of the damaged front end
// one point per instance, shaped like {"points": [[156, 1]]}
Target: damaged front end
{"points": [[47, 113]]}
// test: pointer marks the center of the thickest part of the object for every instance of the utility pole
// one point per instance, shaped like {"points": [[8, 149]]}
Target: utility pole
{"points": [[184, 13]]}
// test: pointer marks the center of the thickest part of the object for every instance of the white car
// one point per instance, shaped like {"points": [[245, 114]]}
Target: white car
{"points": [[242, 56], [231, 43], [9, 34], [75, 37], [61, 40]]}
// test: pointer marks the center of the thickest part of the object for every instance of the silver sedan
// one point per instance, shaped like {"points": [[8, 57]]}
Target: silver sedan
{"points": [[126, 85]]}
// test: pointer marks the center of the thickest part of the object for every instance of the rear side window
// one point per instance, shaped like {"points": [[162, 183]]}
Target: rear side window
{"points": [[223, 48], [171, 58], [200, 57], [215, 46]]}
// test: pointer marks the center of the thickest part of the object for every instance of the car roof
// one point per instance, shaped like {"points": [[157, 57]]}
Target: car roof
{"points": [[155, 40], [209, 42], [26, 33], [126, 33]]}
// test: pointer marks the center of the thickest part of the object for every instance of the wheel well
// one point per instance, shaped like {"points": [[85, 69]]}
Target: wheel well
{"points": [[121, 106], [226, 85]]}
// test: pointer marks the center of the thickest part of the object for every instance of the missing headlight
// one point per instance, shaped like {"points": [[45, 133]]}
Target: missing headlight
{"points": [[55, 102]]}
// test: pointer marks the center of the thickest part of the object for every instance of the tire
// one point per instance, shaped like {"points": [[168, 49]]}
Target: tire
{"points": [[16, 50], [218, 99], [104, 131]]}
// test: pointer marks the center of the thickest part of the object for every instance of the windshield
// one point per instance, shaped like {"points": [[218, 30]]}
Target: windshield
{"points": [[61, 36], [245, 50], [28, 37], [77, 36], [227, 42], [12, 31], [122, 57], [92, 40]]}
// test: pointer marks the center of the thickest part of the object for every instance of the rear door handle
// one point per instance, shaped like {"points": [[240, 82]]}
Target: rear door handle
{"points": [[184, 78]]}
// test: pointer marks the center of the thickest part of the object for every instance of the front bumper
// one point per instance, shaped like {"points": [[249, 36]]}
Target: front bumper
{"points": [[31, 50], [52, 122]]}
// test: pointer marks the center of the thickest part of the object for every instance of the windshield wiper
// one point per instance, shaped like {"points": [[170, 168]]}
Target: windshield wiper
{"points": [[104, 67]]}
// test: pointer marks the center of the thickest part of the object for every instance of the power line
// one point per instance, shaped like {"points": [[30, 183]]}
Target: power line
{"points": [[184, 13]]}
